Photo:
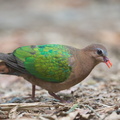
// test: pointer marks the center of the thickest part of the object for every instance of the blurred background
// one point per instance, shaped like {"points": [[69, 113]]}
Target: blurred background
{"points": [[77, 23], [69, 22]]}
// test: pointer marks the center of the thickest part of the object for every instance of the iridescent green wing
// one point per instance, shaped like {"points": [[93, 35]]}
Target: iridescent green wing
{"points": [[47, 62]]}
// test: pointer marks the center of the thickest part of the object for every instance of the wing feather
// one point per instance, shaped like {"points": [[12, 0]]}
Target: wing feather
{"points": [[47, 62]]}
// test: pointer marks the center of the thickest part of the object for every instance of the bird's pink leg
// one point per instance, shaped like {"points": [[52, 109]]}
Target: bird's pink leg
{"points": [[55, 96], [33, 91]]}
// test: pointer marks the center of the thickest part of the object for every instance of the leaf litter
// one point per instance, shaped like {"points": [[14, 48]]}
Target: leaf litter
{"points": [[88, 102]]}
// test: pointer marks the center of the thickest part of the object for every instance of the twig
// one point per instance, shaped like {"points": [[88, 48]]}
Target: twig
{"points": [[107, 109], [72, 109], [93, 110], [9, 106]]}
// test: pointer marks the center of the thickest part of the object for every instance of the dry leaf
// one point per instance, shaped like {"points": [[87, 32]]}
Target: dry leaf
{"points": [[113, 116]]}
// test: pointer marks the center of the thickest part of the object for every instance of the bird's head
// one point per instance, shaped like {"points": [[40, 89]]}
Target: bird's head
{"points": [[99, 53]]}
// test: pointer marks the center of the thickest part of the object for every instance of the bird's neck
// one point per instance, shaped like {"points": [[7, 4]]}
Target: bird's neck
{"points": [[86, 64]]}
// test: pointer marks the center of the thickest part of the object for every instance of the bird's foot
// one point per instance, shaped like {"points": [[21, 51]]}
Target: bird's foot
{"points": [[57, 97]]}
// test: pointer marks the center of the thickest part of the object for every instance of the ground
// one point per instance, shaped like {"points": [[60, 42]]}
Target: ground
{"points": [[71, 23], [97, 98]]}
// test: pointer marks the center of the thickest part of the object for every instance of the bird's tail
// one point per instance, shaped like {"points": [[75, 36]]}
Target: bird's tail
{"points": [[11, 63], [7, 62], [3, 56], [4, 68]]}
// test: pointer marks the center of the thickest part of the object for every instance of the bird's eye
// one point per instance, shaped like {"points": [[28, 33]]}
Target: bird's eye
{"points": [[99, 52]]}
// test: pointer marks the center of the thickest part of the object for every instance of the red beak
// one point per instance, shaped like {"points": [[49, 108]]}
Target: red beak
{"points": [[107, 61]]}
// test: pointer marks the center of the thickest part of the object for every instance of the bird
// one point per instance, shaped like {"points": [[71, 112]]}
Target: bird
{"points": [[54, 67]]}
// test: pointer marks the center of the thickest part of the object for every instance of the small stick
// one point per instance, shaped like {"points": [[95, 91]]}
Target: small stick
{"points": [[72, 108], [9, 106], [93, 110]]}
